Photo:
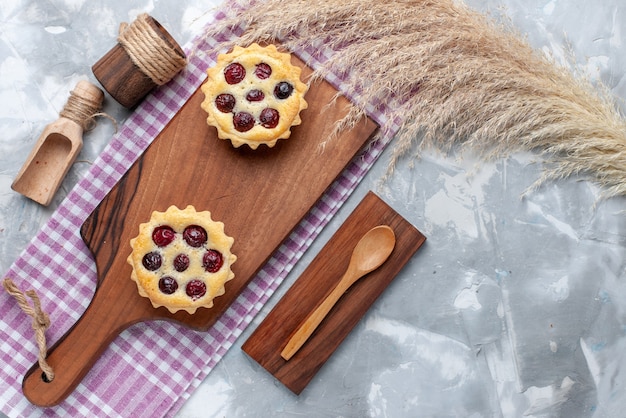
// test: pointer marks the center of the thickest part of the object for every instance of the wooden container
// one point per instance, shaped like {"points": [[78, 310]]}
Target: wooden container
{"points": [[122, 78]]}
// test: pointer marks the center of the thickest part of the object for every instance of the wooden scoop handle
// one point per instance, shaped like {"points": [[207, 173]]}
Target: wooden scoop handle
{"points": [[74, 355]]}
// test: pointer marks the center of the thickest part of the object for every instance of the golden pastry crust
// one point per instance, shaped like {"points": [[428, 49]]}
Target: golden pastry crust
{"points": [[170, 280], [264, 130]]}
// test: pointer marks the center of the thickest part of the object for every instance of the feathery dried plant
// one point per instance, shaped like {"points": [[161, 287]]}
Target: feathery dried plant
{"points": [[453, 76]]}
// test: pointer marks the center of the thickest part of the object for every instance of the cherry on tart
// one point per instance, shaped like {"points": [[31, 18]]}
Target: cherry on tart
{"points": [[212, 261], [195, 236], [283, 90], [263, 71], [195, 289], [269, 118], [254, 96], [225, 102], [151, 261], [168, 285], [181, 263], [234, 73], [163, 235], [243, 121], [181, 259]]}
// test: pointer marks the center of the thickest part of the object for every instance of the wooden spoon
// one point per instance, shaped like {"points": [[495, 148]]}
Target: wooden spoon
{"points": [[369, 253]]}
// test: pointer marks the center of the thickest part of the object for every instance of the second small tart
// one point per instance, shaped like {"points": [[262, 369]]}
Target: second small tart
{"points": [[181, 259], [254, 96]]}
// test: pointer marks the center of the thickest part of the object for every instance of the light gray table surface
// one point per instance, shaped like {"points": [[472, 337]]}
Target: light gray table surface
{"points": [[514, 307]]}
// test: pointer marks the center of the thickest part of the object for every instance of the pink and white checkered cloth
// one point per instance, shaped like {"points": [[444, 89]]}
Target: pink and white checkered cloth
{"points": [[151, 368]]}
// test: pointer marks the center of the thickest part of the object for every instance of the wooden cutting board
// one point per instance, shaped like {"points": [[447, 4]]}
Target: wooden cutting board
{"points": [[316, 282], [259, 195]]}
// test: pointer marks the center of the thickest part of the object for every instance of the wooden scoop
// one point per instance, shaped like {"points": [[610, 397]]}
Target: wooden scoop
{"points": [[57, 147], [370, 252]]}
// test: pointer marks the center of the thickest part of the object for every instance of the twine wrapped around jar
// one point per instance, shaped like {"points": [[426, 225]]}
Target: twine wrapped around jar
{"points": [[145, 56]]}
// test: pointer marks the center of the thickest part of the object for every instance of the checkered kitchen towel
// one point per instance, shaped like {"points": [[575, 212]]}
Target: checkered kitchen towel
{"points": [[141, 374]]}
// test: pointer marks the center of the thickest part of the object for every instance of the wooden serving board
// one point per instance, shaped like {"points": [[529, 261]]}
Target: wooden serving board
{"points": [[316, 282], [259, 195]]}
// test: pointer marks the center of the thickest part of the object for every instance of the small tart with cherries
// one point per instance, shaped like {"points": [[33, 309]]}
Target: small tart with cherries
{"points": [[181, 259], [254, 96]]}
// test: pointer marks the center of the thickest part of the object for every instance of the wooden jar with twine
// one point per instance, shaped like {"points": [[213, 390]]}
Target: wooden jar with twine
{"points": [[145, 56]]}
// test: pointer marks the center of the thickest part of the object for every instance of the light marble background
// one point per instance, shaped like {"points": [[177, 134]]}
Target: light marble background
{"points": [[513, 307]]}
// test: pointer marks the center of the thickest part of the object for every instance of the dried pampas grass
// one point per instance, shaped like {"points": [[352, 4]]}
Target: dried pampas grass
{"points": [[452, 76]]}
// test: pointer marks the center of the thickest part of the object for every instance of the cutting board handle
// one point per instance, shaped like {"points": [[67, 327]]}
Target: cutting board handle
{"points": [[74, 355]]}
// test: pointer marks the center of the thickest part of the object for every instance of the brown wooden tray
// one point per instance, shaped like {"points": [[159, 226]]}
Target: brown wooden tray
{"points": [[316, 282], [259, 195]]}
